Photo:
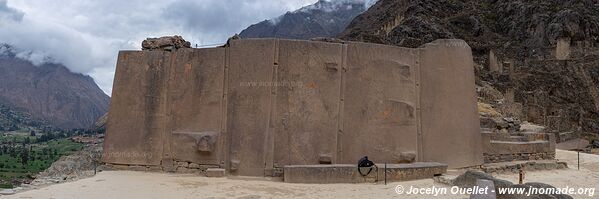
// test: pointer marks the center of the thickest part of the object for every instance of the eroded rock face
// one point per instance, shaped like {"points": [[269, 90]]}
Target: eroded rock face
{"points": [[165, 43], [79, 165], [544, 53], [48, 94], [322, 19]]}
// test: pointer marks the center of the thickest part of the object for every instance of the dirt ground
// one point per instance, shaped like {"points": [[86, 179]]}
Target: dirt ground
{"points": [[130, 184]]}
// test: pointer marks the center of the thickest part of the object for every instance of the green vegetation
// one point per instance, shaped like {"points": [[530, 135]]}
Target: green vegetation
{"points": [[28, 146], [23, 154]]}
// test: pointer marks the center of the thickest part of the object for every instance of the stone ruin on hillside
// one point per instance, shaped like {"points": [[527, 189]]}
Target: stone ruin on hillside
{"points": [[258, 107]]}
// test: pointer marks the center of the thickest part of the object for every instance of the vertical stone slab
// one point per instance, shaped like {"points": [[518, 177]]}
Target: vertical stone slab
{"points": [[493, 63], [250, 78], [138, 109], [509, 67], [450, 123], [562, 50], [509, 95], [195, 91], [380, 113], [307, 101]]}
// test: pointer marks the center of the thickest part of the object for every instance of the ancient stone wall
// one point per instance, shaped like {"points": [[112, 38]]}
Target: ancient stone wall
{"points": [[259, 104], [506, 147]]}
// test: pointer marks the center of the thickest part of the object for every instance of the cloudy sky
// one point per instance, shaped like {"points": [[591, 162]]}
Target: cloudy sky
{"points": [[86, 35]]}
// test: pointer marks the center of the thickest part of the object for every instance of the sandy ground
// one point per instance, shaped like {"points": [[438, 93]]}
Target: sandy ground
{"points": [[129, 184], [586, 177]]}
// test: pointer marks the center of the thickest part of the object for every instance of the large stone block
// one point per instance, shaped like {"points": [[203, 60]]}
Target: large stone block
{"points": [[215, 172], [450, 125]]}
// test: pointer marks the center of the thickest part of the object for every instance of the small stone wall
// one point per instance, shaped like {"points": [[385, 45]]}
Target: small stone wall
{"points": [[490, 158], [190, 167], [180, 167], [515, 167]]}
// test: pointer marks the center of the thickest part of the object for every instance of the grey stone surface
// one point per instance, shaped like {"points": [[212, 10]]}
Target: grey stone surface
{"points": [[215, 172], [7, 191], [489, 187], [468, 179]]}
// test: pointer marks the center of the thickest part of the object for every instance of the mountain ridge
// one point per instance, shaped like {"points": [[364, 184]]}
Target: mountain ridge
{"points": [[50, 93], [515, 49], [324, 18]]}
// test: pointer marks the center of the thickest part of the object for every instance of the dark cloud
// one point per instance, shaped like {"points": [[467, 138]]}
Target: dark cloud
{"points": [[215, 21], [7, 13], [86, 35]]}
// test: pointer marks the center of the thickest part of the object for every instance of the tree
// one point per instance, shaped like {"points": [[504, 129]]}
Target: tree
{"points": [[24, 156]]}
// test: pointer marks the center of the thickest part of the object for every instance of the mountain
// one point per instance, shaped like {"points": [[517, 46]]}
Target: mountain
{"points": [[325, 18], [48, 94], [535, 60], [11, 120]]}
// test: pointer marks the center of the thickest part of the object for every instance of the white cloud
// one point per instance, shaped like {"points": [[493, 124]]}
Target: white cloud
{"points": [[86, 35]]}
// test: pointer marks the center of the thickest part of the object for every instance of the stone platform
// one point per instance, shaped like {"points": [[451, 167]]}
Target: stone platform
{"points": [[525, 146], [348, 173], [515, 166]]}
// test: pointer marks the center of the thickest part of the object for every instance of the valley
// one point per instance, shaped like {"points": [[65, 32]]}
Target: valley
{"points": [[25, 153]]}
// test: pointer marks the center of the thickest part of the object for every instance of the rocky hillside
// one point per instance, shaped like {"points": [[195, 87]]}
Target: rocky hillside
{"points": [[11, 120], [49, 93], [535, 60], [325, 18]]}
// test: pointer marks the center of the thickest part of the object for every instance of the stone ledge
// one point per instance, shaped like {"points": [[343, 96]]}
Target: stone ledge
{"points": [[514, 167], [348, 173], [496, 158]]}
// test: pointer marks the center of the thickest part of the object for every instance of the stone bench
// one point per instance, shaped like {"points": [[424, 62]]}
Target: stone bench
{"points": [[348, 173]]}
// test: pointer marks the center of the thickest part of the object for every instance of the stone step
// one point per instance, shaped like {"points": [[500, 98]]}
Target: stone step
{"points": [[515, 166], [348, 173], [517, 138], [510, 147], [519, 142]]}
